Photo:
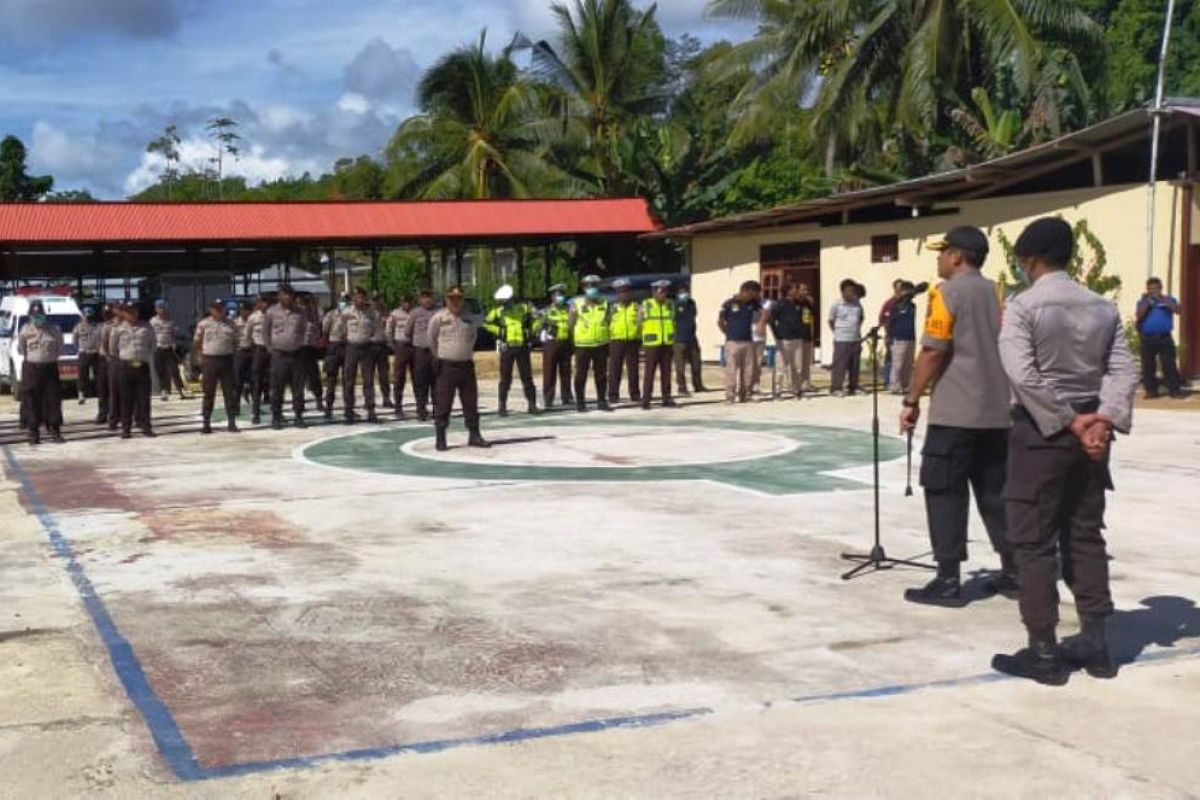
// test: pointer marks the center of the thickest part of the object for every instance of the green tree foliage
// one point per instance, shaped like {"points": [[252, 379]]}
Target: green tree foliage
{"points": [[70, 196], [1088, 264], [401, 274], [16, 184]]}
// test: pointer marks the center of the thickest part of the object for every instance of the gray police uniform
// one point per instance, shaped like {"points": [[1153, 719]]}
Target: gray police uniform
{"points": [[41, 391], [452, 342], [966, 443], [260, 364], [1065, 353], [166, 362], [135, 345], [397, 336], [87, 342], [218, 339], [243, 359], [417, 330], [359, 326], [283, 333], [335, 355]]}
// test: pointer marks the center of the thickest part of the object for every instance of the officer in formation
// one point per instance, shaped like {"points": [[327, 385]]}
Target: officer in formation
{"points": [[401, 346], [624, 342], [335, 351], [590, 334], [134, 343], [166, 360], [555, 333], [105, 367], [216, 339], [311, 352], [243, 358], [87, 343], [512, 325], [283, 335], [452, 332], [417, 331], [260, 368], [966, 443], [687, 345], [1073, 378], [656, 321], [381, 352], [40, 343], [358, 325]]}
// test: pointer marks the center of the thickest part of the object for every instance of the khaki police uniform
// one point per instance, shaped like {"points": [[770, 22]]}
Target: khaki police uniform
{"points": [[87, 344], [452, 343], [283, 333], [381, 352], [135, 346], [396, 328], [105, 364], [966, 444], [417, 331], [312, 356], [624, 350], [166, 360], [359, 325], [243, 359], [217, 340], [260, 366], [41, 390], [335, 355], [513, 327]]}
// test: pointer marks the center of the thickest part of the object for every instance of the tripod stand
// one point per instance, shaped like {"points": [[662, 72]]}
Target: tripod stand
{"points": [[877, 559]]}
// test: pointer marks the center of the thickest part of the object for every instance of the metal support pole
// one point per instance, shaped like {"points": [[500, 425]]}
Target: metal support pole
{"points": [[1157, 125]]}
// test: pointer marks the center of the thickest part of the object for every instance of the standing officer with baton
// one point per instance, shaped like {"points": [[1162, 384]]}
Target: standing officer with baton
{"points": [[1074, 379]]}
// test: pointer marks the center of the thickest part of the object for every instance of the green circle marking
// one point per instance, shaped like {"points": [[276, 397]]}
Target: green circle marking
{"points": [[807, 468]]}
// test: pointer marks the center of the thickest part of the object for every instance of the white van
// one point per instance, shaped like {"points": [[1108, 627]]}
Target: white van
{"points": [[14, 312]]}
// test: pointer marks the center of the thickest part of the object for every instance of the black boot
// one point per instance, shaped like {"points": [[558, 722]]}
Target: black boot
{"points": [[1040, 662], [581, 407], [944, 591], [422, 414], [35, 436], [533, 408], [372, 419], [503, 410], [441, 445], [256, 418], [603, 406], [476, 438], [1088, 649], [277, 423], [1005, 581], [206, 428], [149, 433], [299, 422], [56, 436], [233, 426]]}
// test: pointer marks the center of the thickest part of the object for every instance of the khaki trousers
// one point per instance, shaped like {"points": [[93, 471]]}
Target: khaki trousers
{"points": [[739, 357]]}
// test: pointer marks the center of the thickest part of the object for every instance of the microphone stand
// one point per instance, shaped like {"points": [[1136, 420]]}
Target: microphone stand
{"points": [[877, 559]]}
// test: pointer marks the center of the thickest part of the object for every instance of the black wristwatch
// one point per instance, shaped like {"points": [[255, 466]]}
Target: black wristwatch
{"points": [[911, 403]]}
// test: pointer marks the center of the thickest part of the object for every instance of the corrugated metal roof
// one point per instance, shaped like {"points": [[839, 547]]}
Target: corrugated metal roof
{"points": [[966, 180], [101, 223]]}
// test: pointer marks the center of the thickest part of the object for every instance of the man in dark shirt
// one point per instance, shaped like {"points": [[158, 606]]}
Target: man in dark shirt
{"points": [[738, 317], [687, 344], [902, 333], [791, 323]]}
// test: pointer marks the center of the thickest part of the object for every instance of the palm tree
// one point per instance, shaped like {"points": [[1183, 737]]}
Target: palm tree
{"points": [[915, 58], [483, 133], [608, 71]]}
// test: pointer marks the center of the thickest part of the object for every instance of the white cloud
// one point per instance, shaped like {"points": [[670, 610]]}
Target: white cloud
{"points": [[253, 164], [382, 72], [279, 118], [68, 158], [353, 103]]}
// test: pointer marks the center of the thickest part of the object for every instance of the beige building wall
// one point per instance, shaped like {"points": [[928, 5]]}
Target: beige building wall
{"points": [[1116, 214]]}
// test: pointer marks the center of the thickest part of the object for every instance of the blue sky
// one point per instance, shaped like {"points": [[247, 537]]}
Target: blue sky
{"points": [[87, 83]]}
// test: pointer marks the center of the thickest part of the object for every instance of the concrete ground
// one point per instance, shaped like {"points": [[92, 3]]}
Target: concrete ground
{"points": [[637, 604]]}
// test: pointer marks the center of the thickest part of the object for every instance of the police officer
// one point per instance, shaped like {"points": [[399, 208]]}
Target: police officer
{"points": [[401, 346], [512, 325], [312, 349], [555, 332], [452, 332], [590, 334], [87, 342], [359, 324], [40, 343], [283, 334], [260, 367], [216, 339], [966, 442], [656, 321], [381, 352], [335, 350], [1073, 379], [105, 364], [417, 330], [624, 342], [687, 345], [243, 358], [135, 346], [110, 344], [166, 360]]}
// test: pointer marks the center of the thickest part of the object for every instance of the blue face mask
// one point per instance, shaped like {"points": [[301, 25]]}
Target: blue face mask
{"points": [[560, 299], [684, 297], [343, 305], [39, 319], [592, 292]]}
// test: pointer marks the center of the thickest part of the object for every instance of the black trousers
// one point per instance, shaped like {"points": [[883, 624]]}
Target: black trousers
{"points": [[335, 367], [103, 397], [1055, 503], [380, 354], [135, 385], [456, 377], [688, 355], [422, 376], [41, 396], [287, 370], [954, 462], [218, 370], [360, 360], [114, 390], [312, 372], [260, 381], [623, 356], [596, 359], [1160, 350], [658, 359], [519, 356], [166, 364], [89, 365], [243, 374], [556, 364], [846, 360], [402, 370]]}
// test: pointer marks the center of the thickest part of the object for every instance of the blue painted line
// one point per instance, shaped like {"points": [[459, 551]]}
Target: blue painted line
{"points": [[165, 731], [182, 761]]}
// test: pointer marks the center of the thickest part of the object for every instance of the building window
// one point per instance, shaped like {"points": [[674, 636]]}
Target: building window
{"points": [[885, 249]]}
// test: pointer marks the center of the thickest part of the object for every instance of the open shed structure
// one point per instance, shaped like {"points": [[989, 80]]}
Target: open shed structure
{"points": [[77, 242]]}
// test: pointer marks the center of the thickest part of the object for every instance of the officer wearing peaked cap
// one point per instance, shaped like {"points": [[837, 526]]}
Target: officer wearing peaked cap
{"points": [[40, 343], [590, 331], [512, 325], [656, 320], [452, 334], [624, 347], [555, 329]]}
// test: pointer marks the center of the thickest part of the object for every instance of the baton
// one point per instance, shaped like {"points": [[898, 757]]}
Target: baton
{"points": [[908, 490]]}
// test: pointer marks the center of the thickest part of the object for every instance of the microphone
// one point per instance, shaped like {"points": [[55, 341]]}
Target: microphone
{"points": [[921, 288]]}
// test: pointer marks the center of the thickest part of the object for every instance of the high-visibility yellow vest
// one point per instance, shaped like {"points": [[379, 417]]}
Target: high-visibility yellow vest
{"points": [[507, 323], [591, 324], [556, 321], [658, 323], [623, 326]]}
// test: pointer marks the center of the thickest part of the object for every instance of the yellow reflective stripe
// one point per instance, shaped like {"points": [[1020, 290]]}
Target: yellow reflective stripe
{"points": [[939, 322]]}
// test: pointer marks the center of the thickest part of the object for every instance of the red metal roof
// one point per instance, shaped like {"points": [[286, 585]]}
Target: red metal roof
{"points": [[100, 223]]}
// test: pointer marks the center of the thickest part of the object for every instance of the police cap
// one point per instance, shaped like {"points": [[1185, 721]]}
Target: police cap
{"points": [[455, 291], [661, 285], [591, 280], [967, 238], [621, 283]]}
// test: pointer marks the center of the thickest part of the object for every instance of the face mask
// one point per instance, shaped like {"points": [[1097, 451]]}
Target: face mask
{"points": [[592, 293], [1022, 275], [560, 300], [39, 319], [343, 305], [684, 297]]}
